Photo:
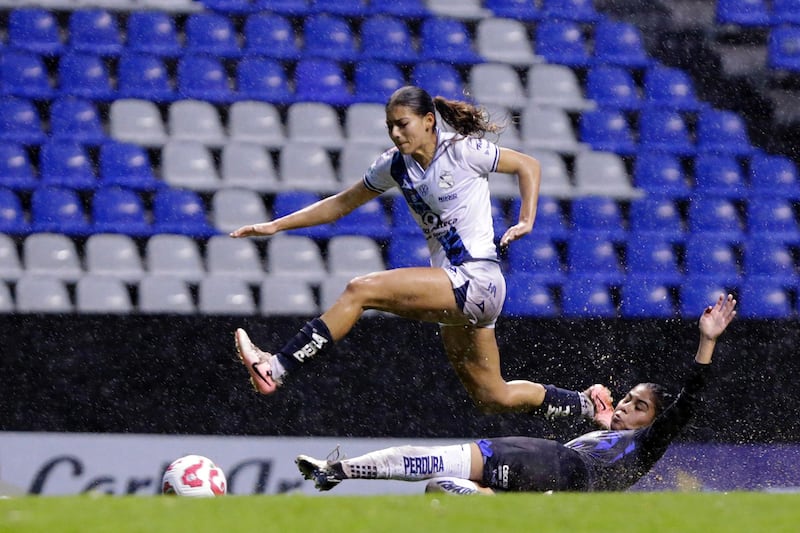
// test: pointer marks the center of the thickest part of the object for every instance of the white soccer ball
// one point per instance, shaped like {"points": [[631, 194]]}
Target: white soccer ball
{"points": [[194, 476]]}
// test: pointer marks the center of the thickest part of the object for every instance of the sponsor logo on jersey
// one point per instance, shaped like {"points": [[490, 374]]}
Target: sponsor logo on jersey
{"points": [[430, 464], [448, 197]]}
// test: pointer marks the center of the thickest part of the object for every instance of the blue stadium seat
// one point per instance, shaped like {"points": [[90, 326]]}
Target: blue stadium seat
{"points": [[439, 79], [210, 33], [329, 37], [261, 78], [671, 88], [447, 40], [561, 42], [527, 297], [345, 8], [550, 220], [34, 30], [16, 170], [152, 32], [499, 220], [321, 80], [375, 81], [118, 210], [182, 212], [387, 38], [660, 174], [607, 130], [232, 7], [412, 9], [783, 48], [587, 298], [613, 87], [619, 43], [762, 298], [408, 251], [643, 297], [654, 215], [21, 122], [771, 259], [722, 132], [126, 165], [369, 220], [203, 77], [58, 210], [76, 119], [785, 12], [575, 10], [12, 215], [773, 175], [593, 256], [719, 175], [290, 201], [271, 35], [538, 256], [597, 214], [713, 257], [24, 74], [720, 216], [654, 257], [664, 130], [289, 8], [523, 10], [85, 76], [697, 293], [144, 77], [402, 221], [744, 13], [66, 164], [94, 31]]}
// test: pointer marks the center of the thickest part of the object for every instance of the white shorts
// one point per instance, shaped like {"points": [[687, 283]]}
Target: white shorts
{"points": [[480, 290]]}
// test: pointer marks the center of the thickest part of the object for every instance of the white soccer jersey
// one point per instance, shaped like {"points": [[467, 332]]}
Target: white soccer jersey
{"points": [[450, 199]]}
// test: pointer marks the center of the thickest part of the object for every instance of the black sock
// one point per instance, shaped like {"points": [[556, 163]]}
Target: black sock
{"points": [[313, 338], [559, 403]]}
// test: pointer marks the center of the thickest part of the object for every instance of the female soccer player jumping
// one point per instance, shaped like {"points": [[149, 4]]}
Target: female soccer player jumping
{"points": [[444, 179], [642, 428]]}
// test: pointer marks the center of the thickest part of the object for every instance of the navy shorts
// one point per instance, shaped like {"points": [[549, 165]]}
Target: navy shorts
{"points": [[526, 464]]}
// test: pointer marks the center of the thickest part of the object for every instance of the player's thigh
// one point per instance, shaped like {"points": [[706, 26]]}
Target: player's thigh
{"points": [[407, 291]]}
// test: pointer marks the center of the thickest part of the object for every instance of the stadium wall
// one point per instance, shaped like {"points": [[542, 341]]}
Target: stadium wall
{"points": [[388, 378]]}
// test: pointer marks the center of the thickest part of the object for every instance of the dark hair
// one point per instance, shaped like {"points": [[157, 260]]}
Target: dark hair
{"points": [[661, 396], [463, 117]]}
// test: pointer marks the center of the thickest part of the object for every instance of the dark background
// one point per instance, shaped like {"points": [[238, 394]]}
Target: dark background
{"points": [[389, 377]]}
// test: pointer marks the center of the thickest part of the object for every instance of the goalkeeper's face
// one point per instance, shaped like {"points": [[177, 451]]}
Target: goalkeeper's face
{"points": [[636, 410]]}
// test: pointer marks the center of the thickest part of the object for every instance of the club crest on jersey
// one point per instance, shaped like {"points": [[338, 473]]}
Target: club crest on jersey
{"points": [[446, 181]]}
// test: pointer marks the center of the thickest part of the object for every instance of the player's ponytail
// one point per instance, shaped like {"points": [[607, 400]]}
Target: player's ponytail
{"points": [[463, 117]]}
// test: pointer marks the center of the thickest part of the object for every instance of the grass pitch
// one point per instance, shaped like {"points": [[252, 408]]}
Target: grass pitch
{"points": [[598, 513]]}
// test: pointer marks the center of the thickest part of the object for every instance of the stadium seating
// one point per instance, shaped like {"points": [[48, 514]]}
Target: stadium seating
{"points": [[613, 87], [506, 41], [117, 210], [526, 297], [94, 31], [644, 297], [212, 34], [144, 76], [22, 123], [587, 298], [66, 164], [661, 174], [35, 30], [745, 13], [514, 9], [387, 38], [562, 42], [126, 165], [619, 43], [12, 215], [25, 75], [719, 175], [575, 10], [664, 130], [329, 37], [16, 171], [539, 256], [271, 35], [76, 119], [670, 88], [607, 130], [152, 32]]}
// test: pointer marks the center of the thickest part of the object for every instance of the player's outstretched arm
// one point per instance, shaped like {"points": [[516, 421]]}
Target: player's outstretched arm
{"points": [[713, 321], [322, 212]]}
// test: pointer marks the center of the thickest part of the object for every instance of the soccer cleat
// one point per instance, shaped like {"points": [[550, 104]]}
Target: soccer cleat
{"points": [[257, 363], [320, 472], [603, 405]]}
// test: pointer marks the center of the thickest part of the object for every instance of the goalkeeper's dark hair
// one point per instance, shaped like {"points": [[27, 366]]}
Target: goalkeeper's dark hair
{"points": [[463, 117], [661, 396]]}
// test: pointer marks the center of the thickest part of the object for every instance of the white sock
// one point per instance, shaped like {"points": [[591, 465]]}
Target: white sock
{"points": [[278, 372], [411, 463]]}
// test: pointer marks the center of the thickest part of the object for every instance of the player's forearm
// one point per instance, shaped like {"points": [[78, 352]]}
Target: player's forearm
{"points": [[321, 212], [705, 350], [529, 180]]}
